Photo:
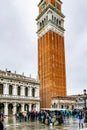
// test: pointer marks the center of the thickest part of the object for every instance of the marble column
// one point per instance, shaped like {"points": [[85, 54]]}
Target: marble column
{"points": [[6, 109], [38, 107], [35, 92], [6, 89], [15, 90], [38, 92], [58, 105], [22, 91], [29, 107], [22, 108], [30, 91], [14, 108]]}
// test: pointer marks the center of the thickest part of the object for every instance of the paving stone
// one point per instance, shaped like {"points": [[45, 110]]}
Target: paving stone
{"points": [[69, 124]]}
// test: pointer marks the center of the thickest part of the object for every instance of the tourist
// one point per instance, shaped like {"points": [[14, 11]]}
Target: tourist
{"points": [[60, 117], [1, 124], [80, 117]]}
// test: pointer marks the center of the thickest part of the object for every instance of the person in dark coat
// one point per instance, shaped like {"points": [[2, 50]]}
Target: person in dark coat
{"points": [[1, 124], [80, 117], [60, 118]]}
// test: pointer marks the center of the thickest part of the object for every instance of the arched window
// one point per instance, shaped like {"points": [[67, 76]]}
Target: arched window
{"points": [[62, 106], [46, 19], [19, 91], [33, 92], [42, 23], [55, 105], [26, 91], [72, 107], [60, 23], [2, 107], [57, 21], [10, 89], [67, 107], [1, 88], [33, 106], [52, 18]]}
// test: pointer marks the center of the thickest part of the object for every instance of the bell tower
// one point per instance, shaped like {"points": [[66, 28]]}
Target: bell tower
{"points": [[51, 53]]}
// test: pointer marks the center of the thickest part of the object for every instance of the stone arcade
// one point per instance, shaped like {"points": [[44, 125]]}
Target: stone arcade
{"points": [[18, 93]]}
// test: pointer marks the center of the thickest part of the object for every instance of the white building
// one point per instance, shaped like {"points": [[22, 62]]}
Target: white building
{"points": [[18, 93], [68, 102], [81, 101]]}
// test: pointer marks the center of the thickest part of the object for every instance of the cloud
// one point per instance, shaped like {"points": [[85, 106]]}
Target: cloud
{"points": [[18, 36], [76, 45]]}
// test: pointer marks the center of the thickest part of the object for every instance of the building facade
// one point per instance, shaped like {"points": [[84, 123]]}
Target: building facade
{"points": [[81, 101], [18, 93], [68, 102], [51, 53]]}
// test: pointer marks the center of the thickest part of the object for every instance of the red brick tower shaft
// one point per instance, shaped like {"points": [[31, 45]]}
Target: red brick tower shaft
{"points": [[51, 55]]}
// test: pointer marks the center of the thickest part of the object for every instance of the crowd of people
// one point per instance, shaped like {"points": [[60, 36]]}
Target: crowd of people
{"points": [[47, 117]]}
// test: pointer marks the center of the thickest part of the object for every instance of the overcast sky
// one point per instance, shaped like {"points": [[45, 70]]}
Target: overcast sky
{"points": [[18, 40]]}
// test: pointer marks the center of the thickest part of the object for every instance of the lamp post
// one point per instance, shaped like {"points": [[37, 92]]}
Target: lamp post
{"points": [[84, 98], [85, 115]]}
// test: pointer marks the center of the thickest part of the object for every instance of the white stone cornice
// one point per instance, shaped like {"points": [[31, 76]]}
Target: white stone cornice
{"points": [[50, 27]]}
